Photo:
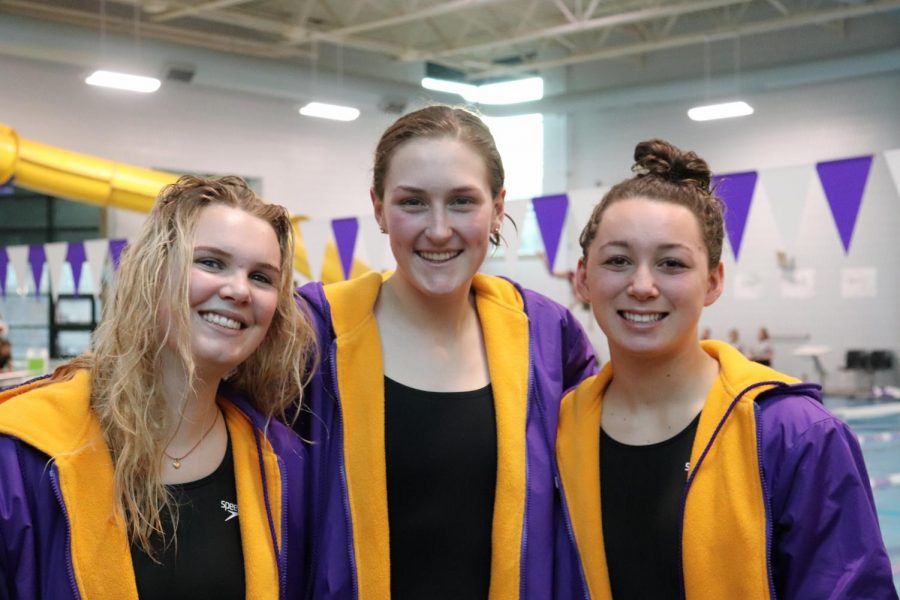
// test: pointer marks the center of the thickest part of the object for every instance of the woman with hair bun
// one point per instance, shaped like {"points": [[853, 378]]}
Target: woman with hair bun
{"points": [[689, 471], [137, 470]]}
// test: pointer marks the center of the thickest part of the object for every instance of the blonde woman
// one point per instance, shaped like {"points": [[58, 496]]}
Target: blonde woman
{"points": [[138, 470]]}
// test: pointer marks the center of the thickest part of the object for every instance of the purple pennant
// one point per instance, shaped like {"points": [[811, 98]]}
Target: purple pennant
{"points": [[4, 262], [76, 257], [844, 182], [345, 231], [551, 215], [36, 258], [736, 191], [115, 251]]}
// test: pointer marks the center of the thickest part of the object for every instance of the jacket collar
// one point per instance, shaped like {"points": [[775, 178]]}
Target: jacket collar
{"points": [[359, 364], [57, 420]]}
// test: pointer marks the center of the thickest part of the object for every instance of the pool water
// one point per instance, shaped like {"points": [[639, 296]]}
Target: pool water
{"points": [[877, 426]]}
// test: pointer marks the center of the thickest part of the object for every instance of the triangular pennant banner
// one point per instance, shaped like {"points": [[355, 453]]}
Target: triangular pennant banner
{"points": [[315, 236], [345, 231], [581, 207], [375, 243], [56, 256], [4, 261], [115, 251], [844, 182], [551, 216], [892, 157], [515, 210], [75, 255], [36, 258], [96, 251], [736, 191], [787, 189], [18, 258]]}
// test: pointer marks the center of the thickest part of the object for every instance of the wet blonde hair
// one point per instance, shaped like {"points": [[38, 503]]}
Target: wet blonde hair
{"points": [[126, 359]]}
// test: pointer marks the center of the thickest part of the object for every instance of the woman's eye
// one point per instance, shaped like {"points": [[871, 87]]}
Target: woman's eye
{"points": [[262, 278], [211, 263], [616, 261], [672, 263], [414, 202], [463, 201]]}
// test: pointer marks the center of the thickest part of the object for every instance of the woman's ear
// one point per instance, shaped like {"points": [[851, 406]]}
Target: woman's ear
{"points": [[378, 207], [497, 214], [715, 284]]}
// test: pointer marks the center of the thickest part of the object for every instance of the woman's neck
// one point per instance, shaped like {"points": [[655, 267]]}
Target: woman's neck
{"points": [[189, 410], [442, 315], [652, 398], [441, 335]]}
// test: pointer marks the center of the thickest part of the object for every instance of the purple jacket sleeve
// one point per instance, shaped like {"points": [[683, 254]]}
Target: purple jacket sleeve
{"points": [[826, 538], [16, 542]]}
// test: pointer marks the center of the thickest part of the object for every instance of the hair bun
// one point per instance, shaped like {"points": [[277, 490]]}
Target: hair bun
{"points": [[661, 159]]}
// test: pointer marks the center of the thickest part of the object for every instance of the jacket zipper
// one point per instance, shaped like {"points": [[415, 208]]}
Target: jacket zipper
{"points": [[70, 569], [766, 496]]}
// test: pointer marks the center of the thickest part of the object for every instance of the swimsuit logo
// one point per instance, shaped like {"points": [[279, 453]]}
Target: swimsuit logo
{"points": [[230, 508]]}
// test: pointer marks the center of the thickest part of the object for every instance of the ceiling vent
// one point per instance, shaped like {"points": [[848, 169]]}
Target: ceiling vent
{"points": [[182, 73]]}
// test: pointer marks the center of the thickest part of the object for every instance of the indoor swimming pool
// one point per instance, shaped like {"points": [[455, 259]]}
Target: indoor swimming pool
{"points": [[877, 425]]}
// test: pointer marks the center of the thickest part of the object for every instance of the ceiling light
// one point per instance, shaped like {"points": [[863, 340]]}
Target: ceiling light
{"points": [[466, 90], [123, 81], [511, 92], [502, 92], [720, 111], [330, 111]]}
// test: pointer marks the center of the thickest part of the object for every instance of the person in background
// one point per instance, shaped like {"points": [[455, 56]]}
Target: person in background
{"points": [[734, 339], [137, 470], [688, 470], [5, 356], [762, 352], [432, 417]]}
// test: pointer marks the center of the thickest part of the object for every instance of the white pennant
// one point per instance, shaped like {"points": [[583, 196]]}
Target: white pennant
{"points": [[95, 253], [581, 205], [316, 235], [787, 188], [375, 244], [517, 209], [892, 157], [56, 256], [18, 260]]}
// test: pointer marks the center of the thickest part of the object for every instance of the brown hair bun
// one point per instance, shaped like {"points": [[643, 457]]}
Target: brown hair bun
{"points": [[661, 159]]}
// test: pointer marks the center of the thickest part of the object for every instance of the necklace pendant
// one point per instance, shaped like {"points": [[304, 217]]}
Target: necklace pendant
{"points": [[176, 463]]}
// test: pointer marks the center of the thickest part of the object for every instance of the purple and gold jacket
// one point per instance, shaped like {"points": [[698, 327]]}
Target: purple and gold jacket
{"points": [[536, 351], [61, 537], [777, 501]]}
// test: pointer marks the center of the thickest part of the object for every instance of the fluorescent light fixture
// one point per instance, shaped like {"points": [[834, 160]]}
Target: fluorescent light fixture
{"points": [[503, 92], [466, 90], [123, 81], [511, 92], [720, 111], [330, 111]]}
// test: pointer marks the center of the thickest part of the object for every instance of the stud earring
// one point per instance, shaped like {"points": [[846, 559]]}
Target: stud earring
{"points": [[381, 228]]}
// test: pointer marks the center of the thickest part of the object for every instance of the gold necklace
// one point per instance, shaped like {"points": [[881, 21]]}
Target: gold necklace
{"points": [[176, 462]]}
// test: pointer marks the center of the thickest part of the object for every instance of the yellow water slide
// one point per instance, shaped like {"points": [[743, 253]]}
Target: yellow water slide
{"points": [[84, 178]]}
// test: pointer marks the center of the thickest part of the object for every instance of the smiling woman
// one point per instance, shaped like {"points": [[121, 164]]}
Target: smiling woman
{"points": [[161, 472], [435, 409], [690, 471]]}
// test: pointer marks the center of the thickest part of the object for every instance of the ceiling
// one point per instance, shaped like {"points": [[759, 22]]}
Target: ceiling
{"points": [[483, 40]]}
